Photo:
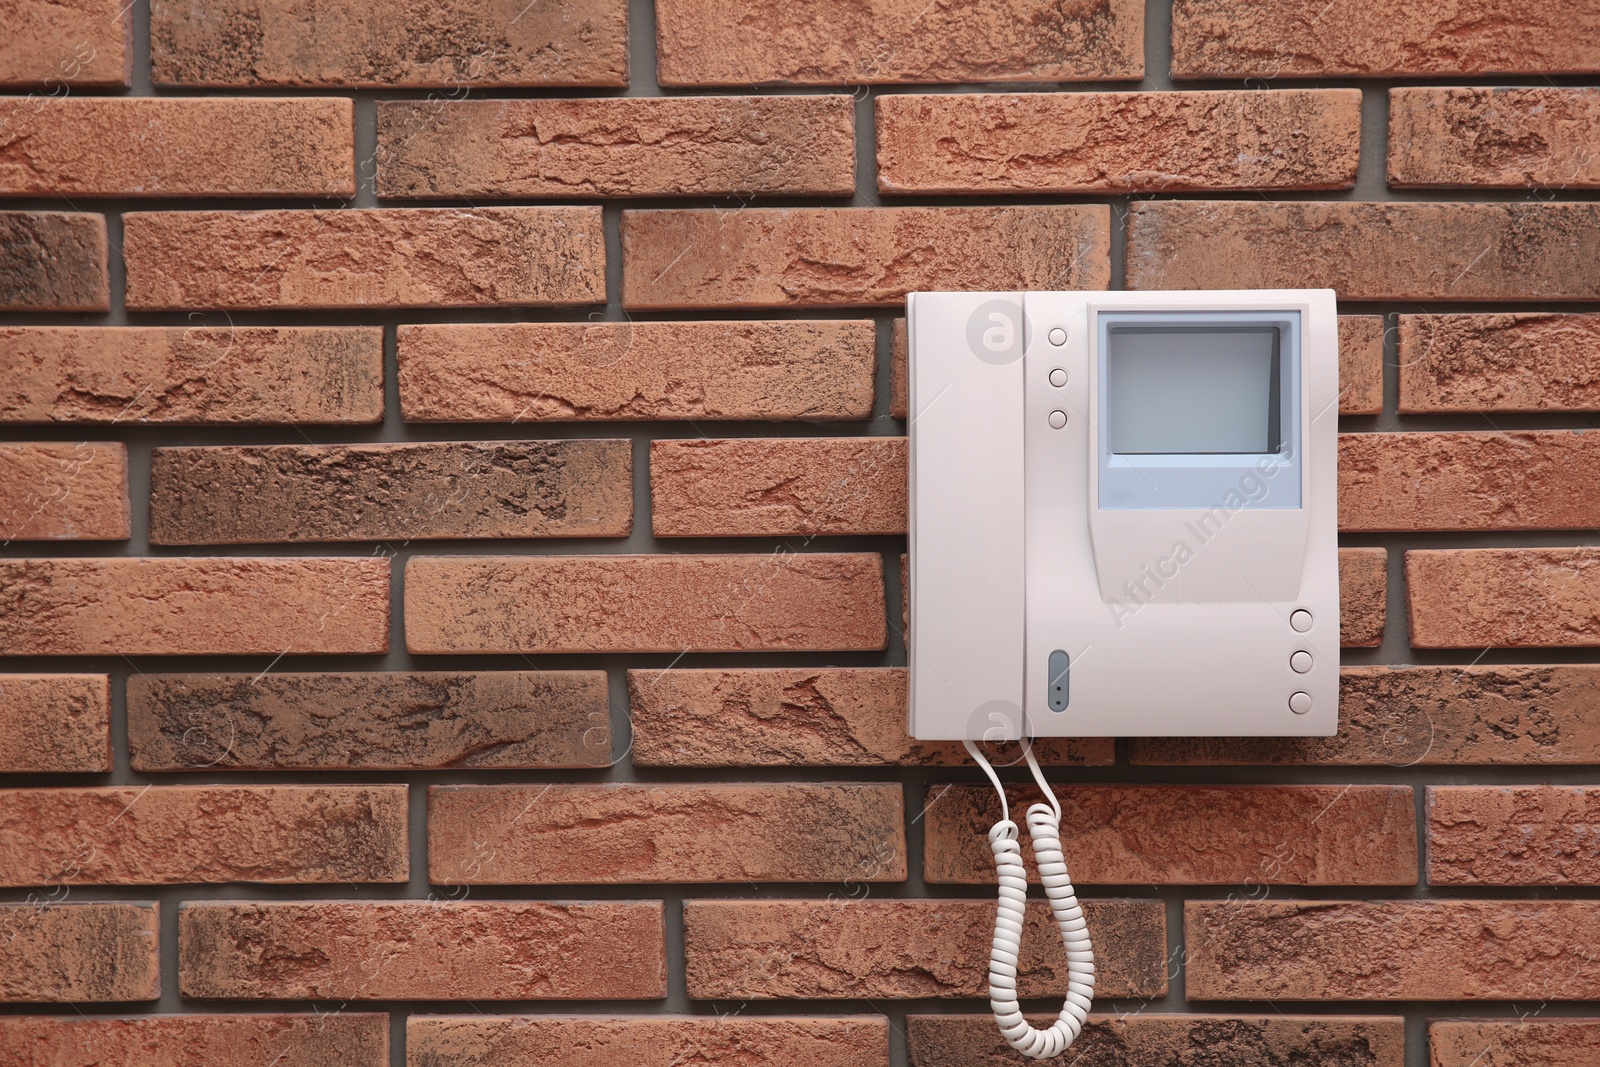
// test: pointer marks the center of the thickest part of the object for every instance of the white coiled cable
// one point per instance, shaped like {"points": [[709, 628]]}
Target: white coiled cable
{"points": [[1044, 826]]}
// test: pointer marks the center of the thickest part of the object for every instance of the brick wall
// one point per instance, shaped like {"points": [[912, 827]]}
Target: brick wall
{"points": [[452, 485]]}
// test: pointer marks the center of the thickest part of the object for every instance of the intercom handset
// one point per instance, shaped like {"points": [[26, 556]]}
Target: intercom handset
{"points": [[1123, 514], [1123, 523]]}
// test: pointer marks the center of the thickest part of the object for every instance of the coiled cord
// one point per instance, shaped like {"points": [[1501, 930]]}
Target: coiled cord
{"points": [[1044, 826]]}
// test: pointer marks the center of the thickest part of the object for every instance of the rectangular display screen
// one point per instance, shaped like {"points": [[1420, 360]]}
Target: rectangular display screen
{"points": [[1195, 390]]}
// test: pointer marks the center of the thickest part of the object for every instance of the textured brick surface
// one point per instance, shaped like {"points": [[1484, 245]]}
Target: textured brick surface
{"points": [[55, 722], [898, 949], [53, 43], [382, 43], [645, 1041], [389, 257], [83, 146], [853, 257], [885, 41], [69, 607], [1310, 38], [1191, 835], [1508, 138], [1363, 587], [698, 146], [53, 261], [749, 602], [1514, 362], [422, 950], [222, 375], [1360, 366], [1391, 950], [786, 717], [399, 719], [1513, 835], [63, 492], [577, 834], [354, 1039], [1539, 480], [567, 372], [1507, 598], [78, 952], [818, 485], [1159, 1039], [206, 496], [1400, 716], [148, 835], [1522, 1042], [1118, 142], [1369, 251]]}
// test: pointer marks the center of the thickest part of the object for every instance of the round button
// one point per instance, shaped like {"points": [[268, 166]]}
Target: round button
{"points": [[1058, 377], [1300, 703], [1058, 419], [1058, 337], [1300, 620], [1300, 661]]}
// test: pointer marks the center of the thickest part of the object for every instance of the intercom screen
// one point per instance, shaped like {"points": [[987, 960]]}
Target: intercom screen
{"points": [[1192, 390]]}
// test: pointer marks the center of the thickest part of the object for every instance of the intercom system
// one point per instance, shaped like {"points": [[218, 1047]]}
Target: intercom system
{"points": [[1123, 517], [1122, 524]]}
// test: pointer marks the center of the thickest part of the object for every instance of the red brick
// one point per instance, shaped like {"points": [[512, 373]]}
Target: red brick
{"points": [[368, 720], [1190, 835], [896, 41], [1439, 716], [55, 722], [422, 950], [388, 257], [389, 43], [53, 261], [59, 43], [617, 834], [855, 257], [421, 491], [175, 606], [1369, 251], [1535, 480], [1363, 590], [1159, 1039], [87, 146], [622, 146], [1525, 361], [569, 372], [1118, 142], [1501, 137], [197, 375], [1360, 366], [754, 602], [899, 949], [78, 953], [1313, 38], [1512, 835], [355, 1039], [153, 835], [1504, 597], [645, 1040], [67, 492], [794, 717], [1519, 1042], [776, 487], [1391, 950]]}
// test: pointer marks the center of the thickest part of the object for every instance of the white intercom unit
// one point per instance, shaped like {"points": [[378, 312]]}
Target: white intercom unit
{"points": [[1123, 517]]}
